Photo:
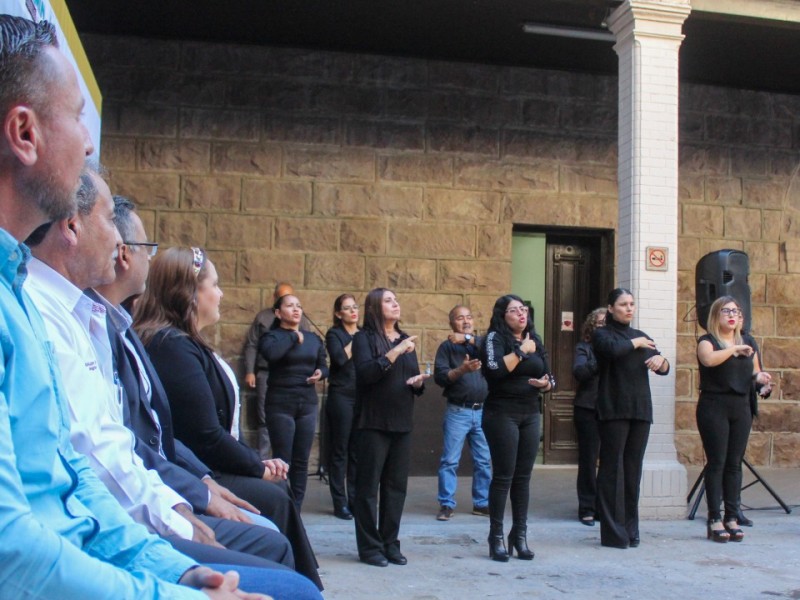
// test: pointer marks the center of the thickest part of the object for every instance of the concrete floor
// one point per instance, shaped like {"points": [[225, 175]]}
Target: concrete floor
{"points": [[449, 560]]}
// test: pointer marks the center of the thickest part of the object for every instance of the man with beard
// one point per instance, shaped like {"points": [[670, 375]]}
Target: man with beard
{"points": [[85, 546]]}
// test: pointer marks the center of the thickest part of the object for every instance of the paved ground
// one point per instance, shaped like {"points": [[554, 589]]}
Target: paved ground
{"points": [[449, 560]]}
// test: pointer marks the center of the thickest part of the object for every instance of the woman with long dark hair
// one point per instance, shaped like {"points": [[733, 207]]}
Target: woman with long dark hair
{"points": [[182, 299], [297, 362], [340, 404], [584, 416], [729, 367], [387, 379], [516, 369], [625, 356]]}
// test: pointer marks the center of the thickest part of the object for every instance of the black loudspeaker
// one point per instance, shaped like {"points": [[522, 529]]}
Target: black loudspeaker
{"points": [[722, 273]]}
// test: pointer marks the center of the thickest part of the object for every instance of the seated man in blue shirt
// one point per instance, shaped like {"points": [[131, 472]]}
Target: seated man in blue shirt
{"points": [[62, 534]]}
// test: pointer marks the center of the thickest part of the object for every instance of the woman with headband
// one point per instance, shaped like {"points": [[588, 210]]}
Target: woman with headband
{"points": [[182, 299]]}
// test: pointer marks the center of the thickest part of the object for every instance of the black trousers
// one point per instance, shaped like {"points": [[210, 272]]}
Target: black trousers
{"points": [[251, 539], [724, 422], [513, 444], [622, 446], [383, 462], [341, 448], [588, 434], [291, 429], [274, 501]]}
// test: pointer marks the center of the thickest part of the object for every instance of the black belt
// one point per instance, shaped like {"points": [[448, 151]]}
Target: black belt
{"points": [[467, 404]]}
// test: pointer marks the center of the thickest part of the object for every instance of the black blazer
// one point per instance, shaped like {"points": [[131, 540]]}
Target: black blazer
{"points": [[181, 470], [202, 401]]}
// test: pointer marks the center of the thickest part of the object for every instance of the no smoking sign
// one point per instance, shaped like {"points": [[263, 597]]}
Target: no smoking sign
{"points": [[657, 258]]}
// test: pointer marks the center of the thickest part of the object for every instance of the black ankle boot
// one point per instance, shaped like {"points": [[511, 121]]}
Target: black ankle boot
{"points": [[497, 549], [517, 540]]}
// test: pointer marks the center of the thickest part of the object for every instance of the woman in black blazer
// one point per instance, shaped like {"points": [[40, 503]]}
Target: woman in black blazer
{"points": [[340, 404], [625, 357], [387, 379], [182, 299], [297, 362]]}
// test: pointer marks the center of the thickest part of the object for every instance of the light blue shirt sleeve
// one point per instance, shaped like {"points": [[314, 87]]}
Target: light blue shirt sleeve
{"points": [[37, 563]]}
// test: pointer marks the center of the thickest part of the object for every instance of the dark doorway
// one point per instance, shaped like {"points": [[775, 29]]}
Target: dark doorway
{"points": [[578, 273]]}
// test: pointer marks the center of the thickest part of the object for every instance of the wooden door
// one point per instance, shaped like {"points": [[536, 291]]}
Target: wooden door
{"points": [[575, 278]]}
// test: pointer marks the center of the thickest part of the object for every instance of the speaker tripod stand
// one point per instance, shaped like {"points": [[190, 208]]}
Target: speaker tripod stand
{"points": [[700, 487]]}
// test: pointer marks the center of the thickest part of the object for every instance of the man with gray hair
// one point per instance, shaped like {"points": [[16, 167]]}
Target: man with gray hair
{"points": [[458, 371], [78, 254]]}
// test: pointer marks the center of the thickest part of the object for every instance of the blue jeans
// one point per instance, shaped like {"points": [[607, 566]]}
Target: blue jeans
{"points": [[281, 584], [460, 424]]}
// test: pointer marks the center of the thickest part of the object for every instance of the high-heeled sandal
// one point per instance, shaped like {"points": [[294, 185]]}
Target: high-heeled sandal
{"points": [[717, 535], [735, 534]]}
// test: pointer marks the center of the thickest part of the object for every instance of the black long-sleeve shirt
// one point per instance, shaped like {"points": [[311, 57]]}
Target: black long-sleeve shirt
{"points": [[342, 378], [291, 364], [509, 391], [584, 368], [624, 388], [471, 387], [383, 401]]}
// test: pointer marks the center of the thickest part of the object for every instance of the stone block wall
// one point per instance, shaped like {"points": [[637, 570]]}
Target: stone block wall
{"points": [[739, 188], [343, 172]]}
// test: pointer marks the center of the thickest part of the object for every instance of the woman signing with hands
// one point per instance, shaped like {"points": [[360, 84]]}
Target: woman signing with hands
{"points": [[729, 367], [625, 411], [291, 404], [516, 370], [387, 379]]}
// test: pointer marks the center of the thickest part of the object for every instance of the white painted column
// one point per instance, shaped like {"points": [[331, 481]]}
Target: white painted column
{"points": [[648, 34]]}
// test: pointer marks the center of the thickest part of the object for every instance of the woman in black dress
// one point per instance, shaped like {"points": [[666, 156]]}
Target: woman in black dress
{"points": [[387, 379], [584, 415], [729, 366], [515, 366], [625, 356], [340, 404], [297, 362]]}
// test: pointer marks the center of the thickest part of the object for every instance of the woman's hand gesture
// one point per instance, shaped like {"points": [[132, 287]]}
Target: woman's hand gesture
{"points": [[314, 378], [541, 383], [528, 345], [417, 380], [742, 350], [643, 342], [407, 345]]}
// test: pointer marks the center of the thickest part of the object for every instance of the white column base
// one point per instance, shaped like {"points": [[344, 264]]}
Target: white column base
{"points": [[664, 490]]}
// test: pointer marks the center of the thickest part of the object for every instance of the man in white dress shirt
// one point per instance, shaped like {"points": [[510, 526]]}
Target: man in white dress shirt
{"points": [[76, 254]]}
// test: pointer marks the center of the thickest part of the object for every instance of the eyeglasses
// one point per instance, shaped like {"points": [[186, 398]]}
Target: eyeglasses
{"points": [[517, 310], [349, 308], [150, 247], [733, 312]]}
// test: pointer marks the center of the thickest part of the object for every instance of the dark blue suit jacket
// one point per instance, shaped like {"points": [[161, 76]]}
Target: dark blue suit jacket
{"points": [[181, 470]]}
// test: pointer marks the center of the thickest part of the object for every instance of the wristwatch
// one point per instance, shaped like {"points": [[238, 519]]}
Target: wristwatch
{"points": [[518, 351], [467, 338]]}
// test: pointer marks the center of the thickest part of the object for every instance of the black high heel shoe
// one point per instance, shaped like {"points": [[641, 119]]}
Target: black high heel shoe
{"points": [[497, 549], [517, 540], [717, 535], [734, 533]]}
